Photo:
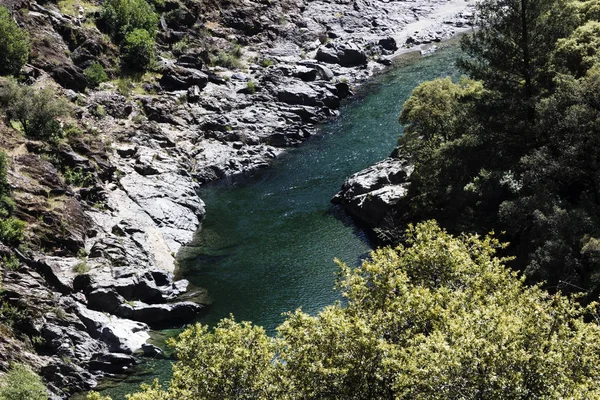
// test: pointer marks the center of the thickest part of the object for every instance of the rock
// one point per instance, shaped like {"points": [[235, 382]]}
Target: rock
{"points": [[388, 43], [346, 55], [151, 350], [114, 104], [70, 77], [120, 335], [193, 94], [370, 194], [88, 52], [160, 314], [112, 363], [298, 93], [193, 59], [180, 78], [103, 299]]}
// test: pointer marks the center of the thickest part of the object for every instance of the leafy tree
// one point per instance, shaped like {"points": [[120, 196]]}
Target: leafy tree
{"points": [[14, 44], [36, 110], [576, 54], [137, 50], [21, 383], [440, 317], [125, 16]]}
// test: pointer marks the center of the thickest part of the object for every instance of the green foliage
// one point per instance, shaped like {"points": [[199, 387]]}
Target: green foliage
{"points": [[125, 16], [21, 383], [438, 318], [576, 54], [14, 44], [95, 74], [36, 110], [96, 396], [137, 50], [251, 87], [434, 111], [266, 62], [81, 268], [11, 262], [228, 59], [77, 177], [11, 230]]}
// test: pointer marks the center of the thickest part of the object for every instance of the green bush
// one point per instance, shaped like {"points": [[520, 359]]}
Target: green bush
{"points": [[251, 87], [227, 60], [14, 45], [21, 383], [125, 16], [11, 230], [137, 50], [77, 177], [36, 110], [95, 74]]}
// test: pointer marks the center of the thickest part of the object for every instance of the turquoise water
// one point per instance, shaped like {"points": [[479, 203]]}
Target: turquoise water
{"points": [[268, 241]]}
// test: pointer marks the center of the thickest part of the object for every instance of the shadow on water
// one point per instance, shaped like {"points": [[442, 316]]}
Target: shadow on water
{"points": [[269, 239]]}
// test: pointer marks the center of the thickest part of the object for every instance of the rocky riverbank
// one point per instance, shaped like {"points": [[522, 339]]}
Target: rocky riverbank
{"points": [[98, 270]]}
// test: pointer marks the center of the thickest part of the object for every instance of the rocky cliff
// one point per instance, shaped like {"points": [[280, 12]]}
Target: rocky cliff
{"points": [[96, 270]]}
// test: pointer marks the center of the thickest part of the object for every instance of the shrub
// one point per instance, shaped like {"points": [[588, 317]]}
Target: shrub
{"points": [[77, 177], [11, 230], [95, 74], [125, 16], [251, 87], [21, 383], [81, 268], [137, 50], [223, 59], [36, 110], [14, 45]]}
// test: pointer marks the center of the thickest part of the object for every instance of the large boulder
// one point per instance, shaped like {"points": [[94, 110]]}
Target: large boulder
{"points": [[160, 314], [120, 335], [70, 77], [371, 193], [298, 93], [179, 78], [344, 54]]}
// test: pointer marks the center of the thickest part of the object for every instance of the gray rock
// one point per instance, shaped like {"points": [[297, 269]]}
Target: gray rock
{"points": [[298, 93], [370, 194], [70, 77], [180, 78], [112, 363], [104, 299], [159, 314]]}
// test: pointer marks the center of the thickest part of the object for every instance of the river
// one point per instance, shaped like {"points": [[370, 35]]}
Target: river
{"points": [[268, 241]]}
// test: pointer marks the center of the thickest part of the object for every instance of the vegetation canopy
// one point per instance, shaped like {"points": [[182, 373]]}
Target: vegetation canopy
{"points": [[440, 317]]}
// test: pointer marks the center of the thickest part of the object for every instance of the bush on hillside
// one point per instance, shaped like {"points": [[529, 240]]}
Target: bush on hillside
{"points": [[137, 50], [14, 44], [95, 74], [125, 16], [21, 383], [36, 110]]}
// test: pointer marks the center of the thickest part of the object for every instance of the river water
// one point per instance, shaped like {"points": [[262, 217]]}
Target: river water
{"points": [[268, 241]]}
